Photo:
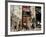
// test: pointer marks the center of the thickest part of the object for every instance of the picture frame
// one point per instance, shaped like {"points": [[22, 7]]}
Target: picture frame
{"points": [[22, 4]]}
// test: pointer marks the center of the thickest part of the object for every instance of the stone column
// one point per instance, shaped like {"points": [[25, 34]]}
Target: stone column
{"points": [[33, 14]]}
